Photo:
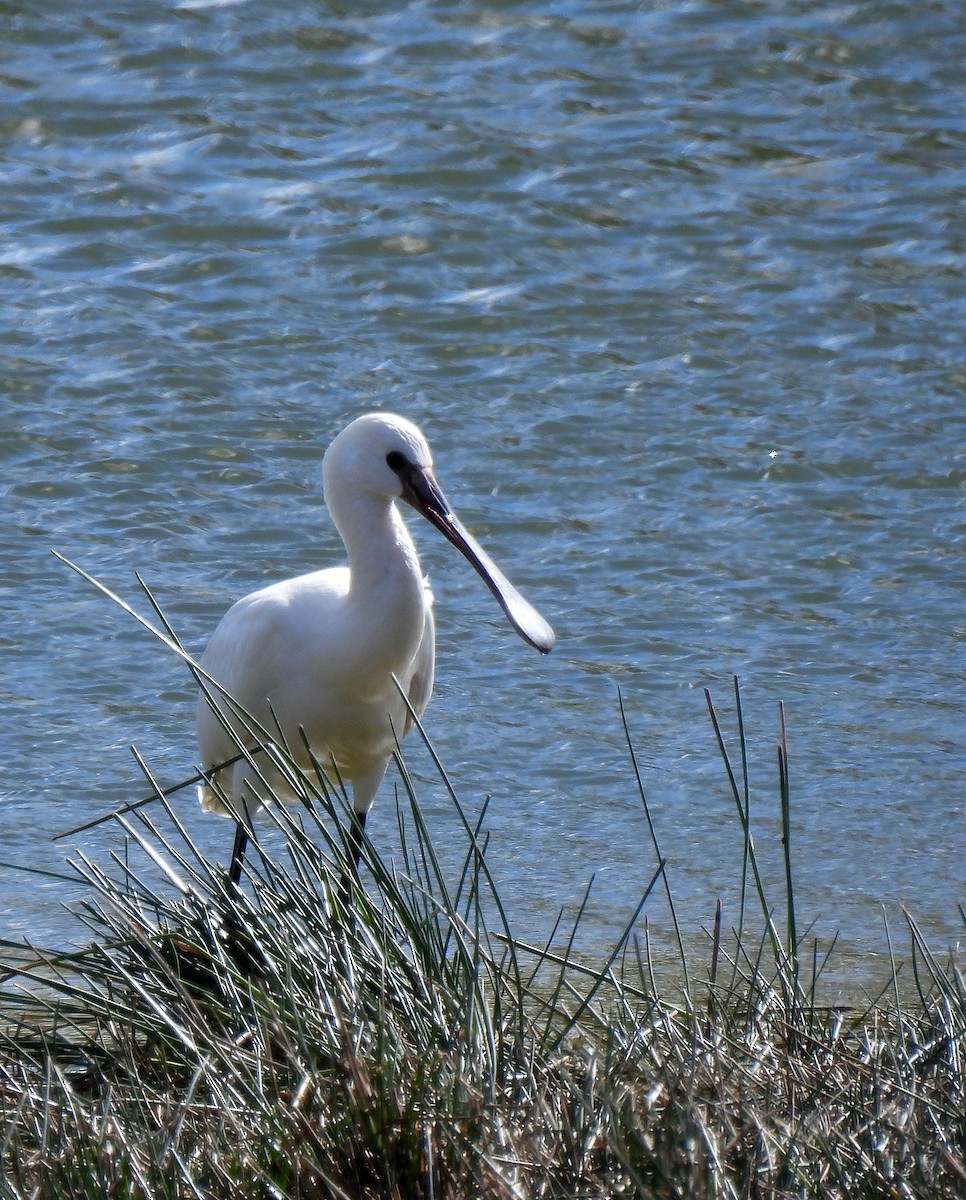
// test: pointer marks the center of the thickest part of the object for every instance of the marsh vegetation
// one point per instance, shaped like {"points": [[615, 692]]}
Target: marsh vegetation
{"points": [[294, 1038]]}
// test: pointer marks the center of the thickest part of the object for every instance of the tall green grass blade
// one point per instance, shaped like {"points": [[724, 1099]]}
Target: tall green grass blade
{"points": [[745, 805], [682, 957], [785, 800], [744, 819]]}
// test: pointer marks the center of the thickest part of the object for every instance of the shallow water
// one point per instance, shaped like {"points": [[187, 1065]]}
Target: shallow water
{"points": [[678, 297]]}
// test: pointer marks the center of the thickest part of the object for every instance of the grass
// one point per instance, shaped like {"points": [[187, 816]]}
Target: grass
{"points": [[289, 1039]]}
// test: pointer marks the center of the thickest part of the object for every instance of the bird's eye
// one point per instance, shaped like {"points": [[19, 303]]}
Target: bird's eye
{"points": [[396, 461]]}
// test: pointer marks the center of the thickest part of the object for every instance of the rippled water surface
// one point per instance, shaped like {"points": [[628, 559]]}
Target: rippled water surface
{"points": [[677, 294]]}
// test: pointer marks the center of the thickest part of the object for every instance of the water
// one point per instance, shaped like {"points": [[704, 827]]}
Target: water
{"points": [[677, 294]]}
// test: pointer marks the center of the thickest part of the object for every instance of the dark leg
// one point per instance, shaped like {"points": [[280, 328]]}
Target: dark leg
{"points": [[237, 853], [239, 946], [357, 825]]}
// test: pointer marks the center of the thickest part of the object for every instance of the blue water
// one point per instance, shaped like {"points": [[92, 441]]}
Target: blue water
{"points": [[677, 295]]}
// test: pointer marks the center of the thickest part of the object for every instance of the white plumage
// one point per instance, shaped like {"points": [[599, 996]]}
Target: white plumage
{"points": [[318, 653]]}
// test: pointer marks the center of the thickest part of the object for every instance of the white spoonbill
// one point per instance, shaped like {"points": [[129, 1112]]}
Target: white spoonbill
{"points": [[317, 654]]}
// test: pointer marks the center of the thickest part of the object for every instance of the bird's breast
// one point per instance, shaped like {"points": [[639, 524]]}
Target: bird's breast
{"points": [[328, 640], [318, 655]]}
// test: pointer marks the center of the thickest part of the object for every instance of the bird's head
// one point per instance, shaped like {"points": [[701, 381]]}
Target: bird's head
{"points": [[375, 455], [386, 458]]}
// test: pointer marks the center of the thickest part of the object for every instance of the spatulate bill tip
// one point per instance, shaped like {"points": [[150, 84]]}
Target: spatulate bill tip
{"points": [[530, 625]]}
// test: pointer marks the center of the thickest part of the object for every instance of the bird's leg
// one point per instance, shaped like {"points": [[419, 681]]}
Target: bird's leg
{"points": [[357, 825], [231, 930], [237, 853]]}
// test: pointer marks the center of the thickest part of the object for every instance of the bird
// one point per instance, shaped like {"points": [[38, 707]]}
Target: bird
{"points": [[324, 660]]}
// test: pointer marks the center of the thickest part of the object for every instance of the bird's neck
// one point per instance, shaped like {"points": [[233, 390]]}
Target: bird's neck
{"points": [[382, 557], [386, 590]]}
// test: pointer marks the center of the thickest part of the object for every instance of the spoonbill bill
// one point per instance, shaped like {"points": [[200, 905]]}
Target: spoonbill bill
{"points": [[319, 655]]}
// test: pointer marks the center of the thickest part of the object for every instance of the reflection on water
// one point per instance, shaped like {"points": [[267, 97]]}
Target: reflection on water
{"points": [[677, 296]]}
